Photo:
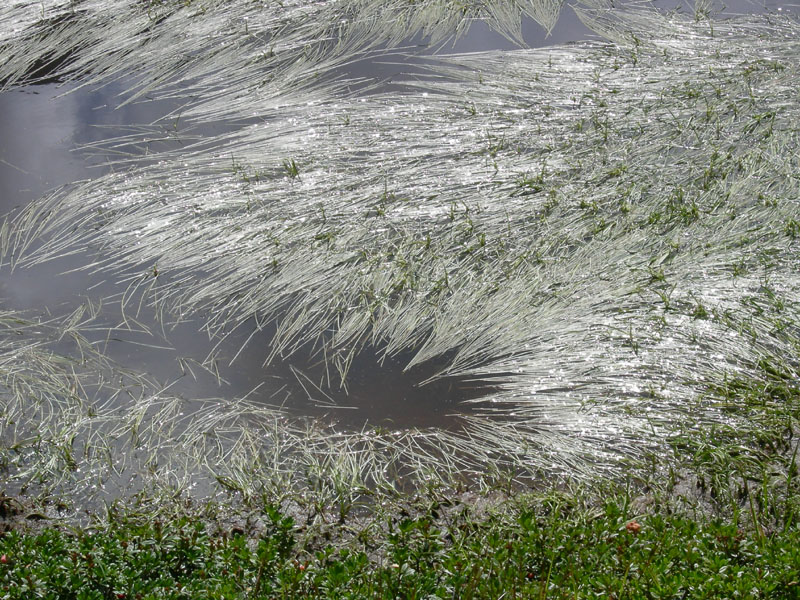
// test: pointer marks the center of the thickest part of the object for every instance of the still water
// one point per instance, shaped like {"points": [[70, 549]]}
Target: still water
{"points": [[47, 133]]}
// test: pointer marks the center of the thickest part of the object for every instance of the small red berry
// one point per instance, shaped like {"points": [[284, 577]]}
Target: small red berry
{"points": [[4, 559]]}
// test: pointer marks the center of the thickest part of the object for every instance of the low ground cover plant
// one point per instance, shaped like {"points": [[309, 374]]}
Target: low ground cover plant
{"points": [[548, 549]]}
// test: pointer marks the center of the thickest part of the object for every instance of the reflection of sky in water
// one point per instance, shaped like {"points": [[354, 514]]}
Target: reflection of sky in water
{"points": [[37, 132], [480, 37], [41, 128], [40, 131]]}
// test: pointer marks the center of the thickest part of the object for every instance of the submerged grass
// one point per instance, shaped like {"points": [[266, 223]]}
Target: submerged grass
{"points": [[606, 229], [76, 427], [268, 52]]}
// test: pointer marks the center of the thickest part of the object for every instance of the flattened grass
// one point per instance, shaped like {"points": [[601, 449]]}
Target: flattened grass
{"points": [[605, 229]]}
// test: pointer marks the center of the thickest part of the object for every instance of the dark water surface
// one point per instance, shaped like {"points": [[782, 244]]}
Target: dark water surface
{"points": [[44, 131]]}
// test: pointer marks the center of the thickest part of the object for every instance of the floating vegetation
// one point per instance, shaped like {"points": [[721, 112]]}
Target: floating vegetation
{"points": [[605, 231]]}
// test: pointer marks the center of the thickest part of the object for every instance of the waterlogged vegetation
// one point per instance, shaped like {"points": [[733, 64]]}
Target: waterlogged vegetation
{"points": [[603, 236]]}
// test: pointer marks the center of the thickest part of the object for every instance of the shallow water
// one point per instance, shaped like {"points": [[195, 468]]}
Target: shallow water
{"points": [[45, 132]]}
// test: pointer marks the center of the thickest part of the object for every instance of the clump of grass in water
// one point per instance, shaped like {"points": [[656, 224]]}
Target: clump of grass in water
{"points": [[270, 51], [590, 221], [87, 431]]}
